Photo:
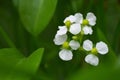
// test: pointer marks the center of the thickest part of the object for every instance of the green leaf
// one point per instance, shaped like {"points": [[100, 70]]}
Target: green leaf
{"points": [[31, 63], [36, 14], [23, 68], [8, 59], [9, 56], [96, 73]]}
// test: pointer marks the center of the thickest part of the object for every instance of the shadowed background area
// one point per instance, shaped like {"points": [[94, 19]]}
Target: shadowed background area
{"points": [[26, 25]]}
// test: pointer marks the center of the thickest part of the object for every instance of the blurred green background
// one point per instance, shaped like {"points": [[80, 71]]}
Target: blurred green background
{"points": [[27, 29]]}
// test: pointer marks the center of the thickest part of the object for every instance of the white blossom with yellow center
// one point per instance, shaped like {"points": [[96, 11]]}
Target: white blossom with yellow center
{"points": [[100, 48], [66, 53], [89, 20], [77, 26], [73, 24]]}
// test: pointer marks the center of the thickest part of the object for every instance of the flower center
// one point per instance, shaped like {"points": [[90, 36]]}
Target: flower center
{"points": [[74, 37], [85, 22], [82, 32], [65, 45], [94, 51], [67, 23]]}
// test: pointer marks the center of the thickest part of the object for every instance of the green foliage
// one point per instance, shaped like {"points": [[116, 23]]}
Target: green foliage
{"points": [[98, 73], [35, 14], [27, 25], [14, 66]]}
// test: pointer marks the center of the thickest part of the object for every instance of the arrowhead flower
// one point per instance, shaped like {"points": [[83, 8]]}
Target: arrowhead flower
{"points": [[70, 36], [90, 19], [86, 23], [60, 39], [62, 30], [79, 18], [87, 30], [74, 44], [92, 59], [65, 54], [67, 47], [71, 22], [100, 48], [75, 29], [70, 19]]}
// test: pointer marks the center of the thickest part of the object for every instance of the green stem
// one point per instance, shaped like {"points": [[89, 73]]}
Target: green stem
{"points": [[6, 37], [81, 38]]}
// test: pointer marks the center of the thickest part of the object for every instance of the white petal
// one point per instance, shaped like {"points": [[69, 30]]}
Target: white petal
{"points": [[75, 29], [60, 39], [74, 44], [102, 47], [92, 59], [91, 18], [87, 45], [87, 30], [62, 30], [70, 18], [79, 18], [65, 54]]}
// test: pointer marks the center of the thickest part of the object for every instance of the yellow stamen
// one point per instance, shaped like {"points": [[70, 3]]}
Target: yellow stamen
{"points": [[75, 38], [94, 51], [85, 22], [67, 23], [82, 32], [65, 45]]}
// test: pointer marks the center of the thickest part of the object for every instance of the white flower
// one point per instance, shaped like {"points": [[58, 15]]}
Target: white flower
{"points": [[79, 18], [102, 47], [92, 59], [62, 30], [65, 54], [75, 29], [70, 18], [74, 44], [87, 45], [60, 39], [87, 30], [91, 18]]}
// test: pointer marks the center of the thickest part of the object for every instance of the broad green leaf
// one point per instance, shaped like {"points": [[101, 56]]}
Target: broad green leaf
{"points": [[36, 14], [8, 59], [96, 73], [31, 63], [9, 56], [24, 68]]}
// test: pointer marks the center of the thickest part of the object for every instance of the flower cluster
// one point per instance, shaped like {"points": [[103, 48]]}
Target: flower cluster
{"points": [[70, 38]]}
